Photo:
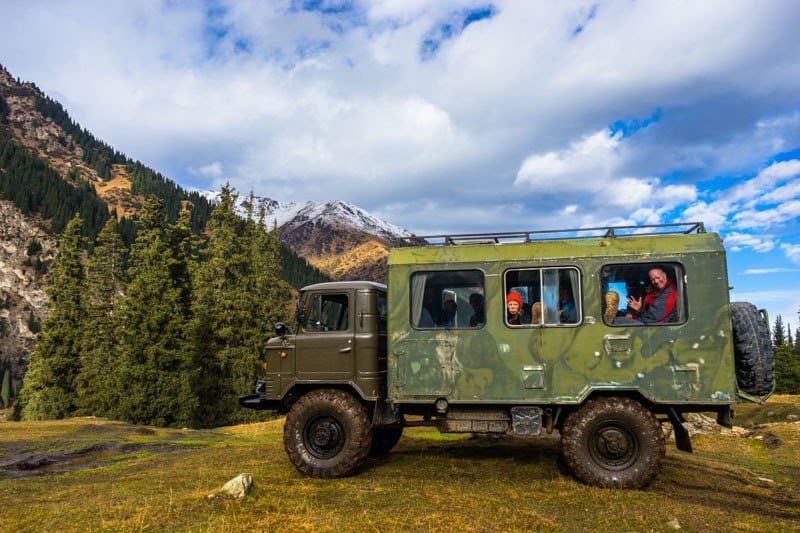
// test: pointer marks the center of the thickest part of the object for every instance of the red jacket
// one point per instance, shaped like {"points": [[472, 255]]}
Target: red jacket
{"points": [[659, 307]]}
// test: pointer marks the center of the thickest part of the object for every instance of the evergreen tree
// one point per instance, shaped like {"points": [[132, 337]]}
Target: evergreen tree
{"points": [[152, 374], [3, 110], [778, 335], [237, 292], [5, 386], [96, 394], [787, 370], [48, 389], [185, 246]]}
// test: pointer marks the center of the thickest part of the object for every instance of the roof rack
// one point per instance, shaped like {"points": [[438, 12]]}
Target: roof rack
{"points": [[557, 234]]}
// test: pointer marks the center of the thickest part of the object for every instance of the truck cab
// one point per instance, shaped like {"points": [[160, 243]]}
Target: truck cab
{"points": [[338, 338]]}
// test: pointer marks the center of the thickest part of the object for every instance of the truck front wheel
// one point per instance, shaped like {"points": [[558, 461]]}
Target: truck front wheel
{"points": [[327, 433], [613, 442]]}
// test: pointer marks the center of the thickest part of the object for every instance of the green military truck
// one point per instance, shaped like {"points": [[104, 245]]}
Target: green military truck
{"points": [[617, 331]]}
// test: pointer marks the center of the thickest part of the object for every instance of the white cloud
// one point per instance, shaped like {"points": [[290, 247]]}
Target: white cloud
{"points": [[792, 251], [760, 271], [590, 167], [785, 303], [751, 218], [738, 241], [754, 189], [212, 170], [594, 155], [763, 202]]}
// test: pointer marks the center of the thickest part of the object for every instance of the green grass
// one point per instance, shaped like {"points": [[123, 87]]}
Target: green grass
{"points": [[427, 483]]}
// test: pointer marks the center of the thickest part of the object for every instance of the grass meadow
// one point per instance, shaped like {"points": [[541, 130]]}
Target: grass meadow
{"points": [[92, 474]]}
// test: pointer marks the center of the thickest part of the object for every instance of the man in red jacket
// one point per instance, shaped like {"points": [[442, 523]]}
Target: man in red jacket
{"points": [[657, 307]]}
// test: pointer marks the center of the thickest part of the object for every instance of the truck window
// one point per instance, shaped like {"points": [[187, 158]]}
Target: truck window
{"points": [[327, 312], [543, 296], [643, 294], [381, 308], [447, 299]]}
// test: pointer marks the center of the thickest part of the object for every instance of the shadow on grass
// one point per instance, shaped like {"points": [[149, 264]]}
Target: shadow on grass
{"points": [[700, 482], [484, 452]]}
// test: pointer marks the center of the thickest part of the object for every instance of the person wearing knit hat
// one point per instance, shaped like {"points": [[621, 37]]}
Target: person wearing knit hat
{"points": [[514, 315]]}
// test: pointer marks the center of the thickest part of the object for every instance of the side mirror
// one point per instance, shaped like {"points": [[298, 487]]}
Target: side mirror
{"points": [[281, 329]]}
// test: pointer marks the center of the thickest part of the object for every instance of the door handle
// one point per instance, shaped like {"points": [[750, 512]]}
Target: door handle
{"points": [[345, 350]]}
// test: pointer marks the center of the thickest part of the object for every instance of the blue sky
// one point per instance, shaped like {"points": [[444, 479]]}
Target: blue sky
{"points": [[455, 115]]}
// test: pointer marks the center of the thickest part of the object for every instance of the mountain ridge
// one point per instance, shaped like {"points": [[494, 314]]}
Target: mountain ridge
{"points": [[337, 237]]}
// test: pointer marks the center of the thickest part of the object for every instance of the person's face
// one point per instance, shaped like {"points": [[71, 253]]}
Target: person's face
{"points": [[658, 278], [513, 307]]}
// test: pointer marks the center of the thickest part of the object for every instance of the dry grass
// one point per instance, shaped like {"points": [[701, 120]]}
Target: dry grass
{"points": [[116, 192], [350, 263], [429, 482]]}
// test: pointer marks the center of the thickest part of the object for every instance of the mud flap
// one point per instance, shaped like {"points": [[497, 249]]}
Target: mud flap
{"points": [[682, 440], [725, 417]]}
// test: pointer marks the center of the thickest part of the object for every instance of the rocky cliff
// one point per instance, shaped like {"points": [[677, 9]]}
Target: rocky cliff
{"points": [[26, 255]]}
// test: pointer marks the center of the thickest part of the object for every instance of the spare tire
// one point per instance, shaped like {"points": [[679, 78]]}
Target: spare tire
{"points": [[752, 346]]}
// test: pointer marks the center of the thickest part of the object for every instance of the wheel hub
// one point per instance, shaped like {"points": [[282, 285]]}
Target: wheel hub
{"points": [[325, 433], [324, 437], [614, 447], [613, 442]]}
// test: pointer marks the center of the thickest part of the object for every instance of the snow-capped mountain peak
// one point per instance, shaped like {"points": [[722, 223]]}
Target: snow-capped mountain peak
{"points": [[336, 213]]}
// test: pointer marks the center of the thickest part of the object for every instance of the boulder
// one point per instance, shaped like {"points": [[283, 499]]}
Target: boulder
{"points": [[237, 488]]}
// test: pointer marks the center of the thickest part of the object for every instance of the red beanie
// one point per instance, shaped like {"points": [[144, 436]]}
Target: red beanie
{"points": [[514, 297]]}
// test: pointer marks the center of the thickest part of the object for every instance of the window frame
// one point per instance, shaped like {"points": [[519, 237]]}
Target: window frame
{"points": [[461, 298], [577, 296], [676, 274], [321, 297]]}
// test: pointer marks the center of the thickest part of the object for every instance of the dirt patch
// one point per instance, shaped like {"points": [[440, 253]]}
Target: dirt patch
{"points": [[26, 464], [768, 439]]}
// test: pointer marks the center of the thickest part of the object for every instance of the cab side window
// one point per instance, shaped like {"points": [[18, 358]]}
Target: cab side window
{"points": [[381, 305], [542, 297], [643, 294], [327, 312]]}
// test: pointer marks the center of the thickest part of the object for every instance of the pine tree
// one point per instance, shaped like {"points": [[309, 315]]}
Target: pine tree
{"points": [[778, 335], [152, 375], [96, 394], [237, 292], [48, 389], [5, 386]]}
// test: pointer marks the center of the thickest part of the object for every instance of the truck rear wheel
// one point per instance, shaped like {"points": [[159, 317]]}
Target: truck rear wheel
{"points": [[327, 433], [613, 442]]}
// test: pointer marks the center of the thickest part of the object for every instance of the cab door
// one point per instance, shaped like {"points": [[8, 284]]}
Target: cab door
{"points": [[325, 343]]}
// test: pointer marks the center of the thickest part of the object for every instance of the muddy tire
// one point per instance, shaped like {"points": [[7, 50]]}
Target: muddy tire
{"points": [[327, 433], [752, 346], [613, 442], [383, 440]]}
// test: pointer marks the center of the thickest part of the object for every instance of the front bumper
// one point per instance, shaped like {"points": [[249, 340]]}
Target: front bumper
{"points": [[259, 399]]}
